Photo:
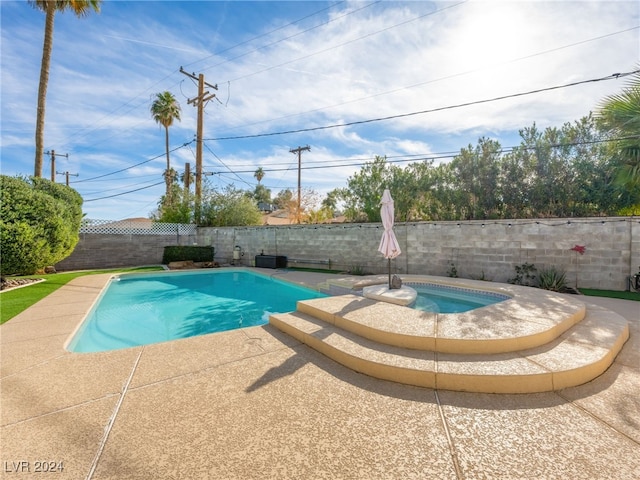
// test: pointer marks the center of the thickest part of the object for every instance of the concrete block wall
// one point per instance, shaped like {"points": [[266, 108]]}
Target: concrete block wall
{"points": [[95, 251], [487, 250], [477, 249]]}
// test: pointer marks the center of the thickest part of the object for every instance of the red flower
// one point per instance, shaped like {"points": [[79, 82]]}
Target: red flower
{"points": [[580, 249]]}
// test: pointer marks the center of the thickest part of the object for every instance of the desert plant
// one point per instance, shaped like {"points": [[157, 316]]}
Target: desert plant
{"points": [[552, 279], [525, 275], [453, 271], [357, 270]]}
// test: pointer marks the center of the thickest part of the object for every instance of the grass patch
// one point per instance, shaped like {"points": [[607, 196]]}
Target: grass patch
{"points": [[611, 294], [17, 300]]}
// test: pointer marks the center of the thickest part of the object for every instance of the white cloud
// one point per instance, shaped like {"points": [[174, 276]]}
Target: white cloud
{"points": [[391, 58]]}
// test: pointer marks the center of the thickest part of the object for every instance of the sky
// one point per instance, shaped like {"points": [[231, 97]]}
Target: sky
{"points": [[351, 80]]}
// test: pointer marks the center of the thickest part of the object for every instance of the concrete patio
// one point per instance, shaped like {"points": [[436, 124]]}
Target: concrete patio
{"points": [[256, 404]]}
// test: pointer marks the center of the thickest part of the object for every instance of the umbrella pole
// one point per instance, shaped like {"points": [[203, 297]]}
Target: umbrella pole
{"points": [[389, 260]]}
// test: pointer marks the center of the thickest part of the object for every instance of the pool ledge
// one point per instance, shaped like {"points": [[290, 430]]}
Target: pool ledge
{"points": [[536, 341], [404, 295]]}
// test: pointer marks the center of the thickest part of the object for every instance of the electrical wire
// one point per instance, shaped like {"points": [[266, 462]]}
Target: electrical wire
{"points": [[224, 165], [448, 77], [123, 193], [394, 159], [120, 187], [104, 120], [430, 157], [133, 166], [422, 112]]}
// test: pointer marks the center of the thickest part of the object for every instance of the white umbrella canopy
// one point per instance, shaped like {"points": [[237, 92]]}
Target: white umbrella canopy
{"points": [[389, 246]]}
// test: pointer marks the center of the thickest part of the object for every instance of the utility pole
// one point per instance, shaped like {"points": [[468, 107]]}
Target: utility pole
{"points": [[67, 174], [187, 177], [299, 151], [199, 102], [53, 163]]}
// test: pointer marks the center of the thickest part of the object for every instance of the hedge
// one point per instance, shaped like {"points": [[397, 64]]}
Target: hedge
{"points": [[39, 223], [182, 253]]}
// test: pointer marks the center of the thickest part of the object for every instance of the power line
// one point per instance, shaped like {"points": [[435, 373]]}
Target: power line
{"points": [[399, 159], [224, 165], [136, 165], [105, 118], [434, 156], [120, 187], [613, 76], [124, 193], [389, 159], [448, 77]]}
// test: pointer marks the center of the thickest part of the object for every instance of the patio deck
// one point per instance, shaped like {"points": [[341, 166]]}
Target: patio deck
{"points": [[255, 403]]}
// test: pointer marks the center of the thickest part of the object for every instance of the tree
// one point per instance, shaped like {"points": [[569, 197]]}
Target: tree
{"points": [[365, 190], [322, 215], [81, 8], [39, 223], [229, 207], [259, 174], [181, 207], [262, 194], [330, 202], [165, 109], [309, 201], [477, 173], [620, 115], [283, 198]]}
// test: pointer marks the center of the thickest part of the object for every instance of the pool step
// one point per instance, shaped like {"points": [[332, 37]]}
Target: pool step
{"points": [[506, 327], [576, 356]]}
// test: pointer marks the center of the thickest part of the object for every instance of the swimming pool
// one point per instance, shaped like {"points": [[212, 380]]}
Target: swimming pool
{"points": [[447, 299], [140, 309]]}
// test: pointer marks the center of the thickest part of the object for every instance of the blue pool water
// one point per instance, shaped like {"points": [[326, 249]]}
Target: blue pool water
{"points": [[140, 309], [446, 299]]}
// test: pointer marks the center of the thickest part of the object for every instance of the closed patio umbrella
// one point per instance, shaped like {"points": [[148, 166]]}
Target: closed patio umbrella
{"points": [[388, 243]]}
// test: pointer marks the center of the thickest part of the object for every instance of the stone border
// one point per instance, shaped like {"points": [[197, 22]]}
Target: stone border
{"points": [[39, 280]]}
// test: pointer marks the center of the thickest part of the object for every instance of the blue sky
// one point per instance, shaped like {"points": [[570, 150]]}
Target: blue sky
{"points": [[287, 66]]}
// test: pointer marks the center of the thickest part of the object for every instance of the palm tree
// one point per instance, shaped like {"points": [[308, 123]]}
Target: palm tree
{"points": [[259, 174], [620, 115], [165, 109], [81, 8]]}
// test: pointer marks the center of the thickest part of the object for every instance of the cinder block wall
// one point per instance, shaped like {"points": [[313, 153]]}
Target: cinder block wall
{"points": [[112, 250], [478, 249]]}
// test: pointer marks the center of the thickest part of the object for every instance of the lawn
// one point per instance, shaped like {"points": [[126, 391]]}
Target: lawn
{"points": [[611, 294], [14, 301]]}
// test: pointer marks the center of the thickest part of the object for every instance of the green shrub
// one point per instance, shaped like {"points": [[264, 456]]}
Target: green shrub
{"points": [[357, 270], [39, 223], [453, 271], [525, 275], [183, 253], [552, 279]]}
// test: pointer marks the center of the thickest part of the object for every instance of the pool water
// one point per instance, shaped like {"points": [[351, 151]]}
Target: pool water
{"points": [[141, 309], [446, 299]]}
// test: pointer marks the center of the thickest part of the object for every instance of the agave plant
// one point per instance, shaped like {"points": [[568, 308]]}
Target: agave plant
{"points": [[552, 279]]}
